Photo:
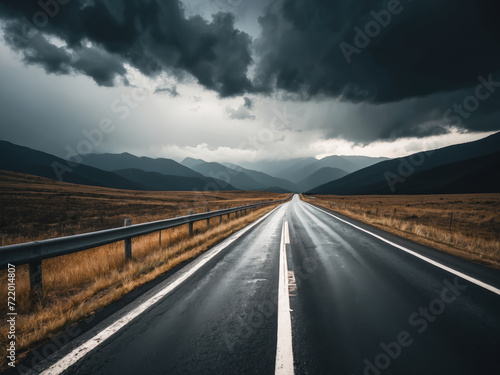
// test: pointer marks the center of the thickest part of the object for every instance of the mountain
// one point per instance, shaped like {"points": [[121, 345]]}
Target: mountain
{"points": [[297, 169], [113, 162], [360, 162], [239, 180], [160, 182], [305, 167], [22, 159], [277, 167], [25, 160], [191, 162], [395, 173], [466, 176], [320, 177], [267, 180]]}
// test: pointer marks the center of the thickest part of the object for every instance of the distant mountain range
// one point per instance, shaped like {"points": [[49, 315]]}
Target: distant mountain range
{"points": [[114, 162], [295, 175], [160, 182], [241, 178], [297, 170], [465, 168], [320, 177], [238, 179], [25, 160], [462, 168]]}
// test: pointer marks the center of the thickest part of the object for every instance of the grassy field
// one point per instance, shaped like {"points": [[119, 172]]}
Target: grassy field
{"points": [[78, 284], [467, 225], [35, 208]]}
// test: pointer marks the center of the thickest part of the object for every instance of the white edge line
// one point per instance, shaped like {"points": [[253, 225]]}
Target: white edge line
{"points": [[284, 348], [76, 354], [433, 262]]}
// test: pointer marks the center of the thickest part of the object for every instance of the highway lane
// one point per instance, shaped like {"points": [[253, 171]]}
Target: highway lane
{"points": [[222, 320], [358, 306], [355, 293]]}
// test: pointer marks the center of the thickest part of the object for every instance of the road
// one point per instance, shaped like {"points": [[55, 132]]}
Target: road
{"points": [[305, 291]]}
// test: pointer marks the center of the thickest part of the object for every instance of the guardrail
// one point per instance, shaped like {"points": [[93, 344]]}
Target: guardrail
{"points": [[33, 253]]}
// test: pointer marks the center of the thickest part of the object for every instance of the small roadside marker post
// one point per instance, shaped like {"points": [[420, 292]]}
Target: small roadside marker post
{"points": [[128, 241], [190, 225]]}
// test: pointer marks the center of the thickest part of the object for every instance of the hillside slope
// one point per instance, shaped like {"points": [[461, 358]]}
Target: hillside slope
{"points": [[113, 162], [397, 170], [160, 182], [22, 159]]}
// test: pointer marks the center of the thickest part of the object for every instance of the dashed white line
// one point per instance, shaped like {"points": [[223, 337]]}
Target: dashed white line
{"points": [[284, 349]]}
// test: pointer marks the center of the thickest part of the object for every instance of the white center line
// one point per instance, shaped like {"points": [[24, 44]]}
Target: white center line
{"points": [[284, 349]]}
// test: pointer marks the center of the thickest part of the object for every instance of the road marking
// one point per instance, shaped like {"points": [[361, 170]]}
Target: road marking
{"points": [[292, 284], [76, 354], [428, 260], [284, 349]]}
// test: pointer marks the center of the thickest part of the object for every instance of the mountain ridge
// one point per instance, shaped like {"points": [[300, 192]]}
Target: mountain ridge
{"points": [[393, 170]]}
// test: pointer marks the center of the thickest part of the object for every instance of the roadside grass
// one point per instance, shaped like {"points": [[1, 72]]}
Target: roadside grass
{"points": [[77, 285], [474, 218]]}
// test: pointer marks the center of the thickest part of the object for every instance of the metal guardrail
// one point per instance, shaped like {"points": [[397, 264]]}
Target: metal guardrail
{"points": [[33, 253]]}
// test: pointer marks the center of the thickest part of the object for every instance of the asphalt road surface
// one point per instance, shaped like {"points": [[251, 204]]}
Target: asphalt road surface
{"points": [[305, 291]]}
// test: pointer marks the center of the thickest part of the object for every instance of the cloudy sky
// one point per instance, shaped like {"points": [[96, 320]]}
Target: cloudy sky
{"points": [[241, 80]]}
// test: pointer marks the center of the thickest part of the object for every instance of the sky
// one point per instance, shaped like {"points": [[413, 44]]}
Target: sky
{"points": [[236, 80]]}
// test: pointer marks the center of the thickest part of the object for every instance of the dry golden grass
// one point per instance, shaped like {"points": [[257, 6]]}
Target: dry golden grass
{"points": [[78, 284], [36, 208], [425, 219]]}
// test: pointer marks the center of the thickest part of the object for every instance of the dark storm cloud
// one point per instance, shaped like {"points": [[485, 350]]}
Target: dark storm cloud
{"points": [[426, 46], [418, 117], [412, 66], [153, 36], [101, 66]]}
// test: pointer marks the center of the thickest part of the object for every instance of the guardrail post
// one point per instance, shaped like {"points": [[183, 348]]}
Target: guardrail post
{"points": [[220, 219], [208, 220], [36, 279], [236, 215], [190, 225], [128, 241], [160, 239]]}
